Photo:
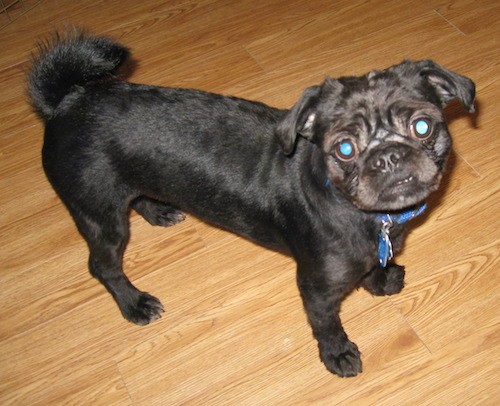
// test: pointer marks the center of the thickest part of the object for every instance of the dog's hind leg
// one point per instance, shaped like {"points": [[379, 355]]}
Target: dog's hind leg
{"points": [[157, 213], [107, 237]]}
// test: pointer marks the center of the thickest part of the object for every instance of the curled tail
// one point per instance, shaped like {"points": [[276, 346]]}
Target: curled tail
{"points": [[64, 62]]}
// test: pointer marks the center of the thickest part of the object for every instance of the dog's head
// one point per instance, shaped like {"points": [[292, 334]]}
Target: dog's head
{"points": [[383, 136]]}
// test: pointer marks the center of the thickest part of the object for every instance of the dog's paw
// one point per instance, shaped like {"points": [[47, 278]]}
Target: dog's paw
{"points": [[163, 215], [157, 213], [385, 281], [342, 359], [144, 310], [395, 279], [167, 217]]}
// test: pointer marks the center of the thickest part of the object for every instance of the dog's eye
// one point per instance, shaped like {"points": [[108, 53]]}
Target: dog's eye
{"points": [[421, 128], [345, 150]]}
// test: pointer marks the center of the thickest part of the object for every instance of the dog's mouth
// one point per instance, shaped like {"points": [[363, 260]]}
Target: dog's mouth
{"points": [[403, 184], [406, 191], [407, 183]]}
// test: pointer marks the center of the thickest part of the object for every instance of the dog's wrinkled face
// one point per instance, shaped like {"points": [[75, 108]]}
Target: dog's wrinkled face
{"points": [[383, 136], [384, 148]]}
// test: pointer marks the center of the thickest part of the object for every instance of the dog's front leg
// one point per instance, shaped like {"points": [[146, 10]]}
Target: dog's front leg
{"points": [[322, 296]]}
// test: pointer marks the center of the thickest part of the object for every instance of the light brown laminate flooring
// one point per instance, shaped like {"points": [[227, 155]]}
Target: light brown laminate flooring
{"points": [[234, 331]]}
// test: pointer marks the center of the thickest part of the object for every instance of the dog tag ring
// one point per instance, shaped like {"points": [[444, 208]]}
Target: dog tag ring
{"points": [[385, 251]]}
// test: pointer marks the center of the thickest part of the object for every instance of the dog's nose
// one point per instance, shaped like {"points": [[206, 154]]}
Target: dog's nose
{"points": [[388, 159]]}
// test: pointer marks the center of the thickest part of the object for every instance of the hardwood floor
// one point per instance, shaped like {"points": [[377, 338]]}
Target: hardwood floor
{"points": [[234, 331]]}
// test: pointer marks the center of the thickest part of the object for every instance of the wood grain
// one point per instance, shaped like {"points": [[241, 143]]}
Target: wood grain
{"points": [[234, 332]]}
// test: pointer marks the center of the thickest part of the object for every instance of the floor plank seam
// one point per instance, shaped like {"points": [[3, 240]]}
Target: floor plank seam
{"points": [[122, 378], [450, 23], [481, 177], [410, 326]]}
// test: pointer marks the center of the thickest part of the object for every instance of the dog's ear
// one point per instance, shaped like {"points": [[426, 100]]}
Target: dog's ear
{"points": [[299, 120], [449, 85]]}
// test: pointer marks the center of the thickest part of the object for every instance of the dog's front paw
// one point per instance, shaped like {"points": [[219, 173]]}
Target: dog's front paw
{"points": [[144, 310], [343, 359], [385, 281], [395, 279]]}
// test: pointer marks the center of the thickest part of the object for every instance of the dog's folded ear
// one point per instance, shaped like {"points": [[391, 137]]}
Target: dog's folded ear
{"points": [[449, 85], [299, 120]]}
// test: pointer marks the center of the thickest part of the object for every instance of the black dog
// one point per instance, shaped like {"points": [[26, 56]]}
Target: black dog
{"points": [[370, 151]]}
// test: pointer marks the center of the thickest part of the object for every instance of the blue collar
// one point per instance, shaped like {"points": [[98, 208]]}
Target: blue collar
{"points": [[385, 252], [401, 218]]}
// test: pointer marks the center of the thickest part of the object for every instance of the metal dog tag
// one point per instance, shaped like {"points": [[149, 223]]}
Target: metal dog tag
{"points": [[385, 252]]}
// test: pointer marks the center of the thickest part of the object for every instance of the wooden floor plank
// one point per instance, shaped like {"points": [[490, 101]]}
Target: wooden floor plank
{"points": [[468, 17], [474, 278], [433, 383], [361, 29]]}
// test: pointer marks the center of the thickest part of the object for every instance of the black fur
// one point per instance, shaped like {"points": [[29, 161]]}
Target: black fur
{"points": [[112, 145]]}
